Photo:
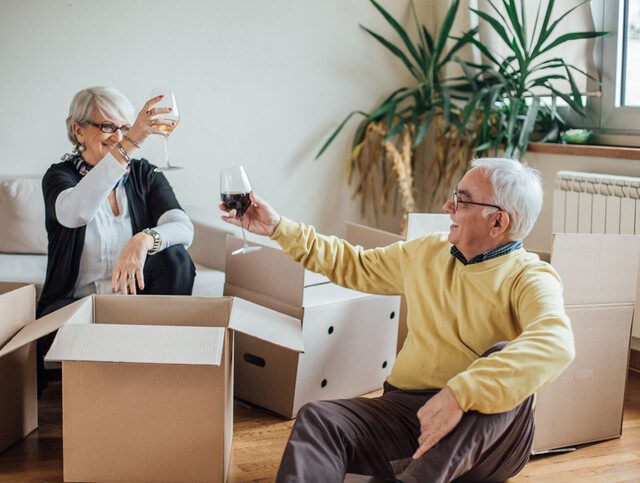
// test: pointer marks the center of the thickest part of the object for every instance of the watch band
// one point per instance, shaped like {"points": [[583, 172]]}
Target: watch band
{"points": [[157, 240]]}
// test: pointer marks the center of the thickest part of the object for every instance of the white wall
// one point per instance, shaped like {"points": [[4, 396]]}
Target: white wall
{"points": [[260, 83]]}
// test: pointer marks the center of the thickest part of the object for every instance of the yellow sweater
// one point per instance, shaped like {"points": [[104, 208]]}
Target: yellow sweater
{"points": [[455, 313]]}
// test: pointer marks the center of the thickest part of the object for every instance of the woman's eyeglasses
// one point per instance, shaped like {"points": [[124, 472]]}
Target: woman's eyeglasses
{"points": [[109, 127], [456, 201]]}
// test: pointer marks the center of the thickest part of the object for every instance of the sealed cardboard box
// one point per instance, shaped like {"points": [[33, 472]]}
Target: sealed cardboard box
{"points": [[18, 403], [147, 384], [349, 337], [585, 404]]}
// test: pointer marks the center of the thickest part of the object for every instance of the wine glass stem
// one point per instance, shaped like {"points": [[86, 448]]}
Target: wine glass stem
{"points": [[246, 245], [166, 151]]}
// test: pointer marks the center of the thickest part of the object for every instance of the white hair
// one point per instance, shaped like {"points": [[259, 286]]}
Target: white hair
{"points": [[517, 189], [107, 100]]}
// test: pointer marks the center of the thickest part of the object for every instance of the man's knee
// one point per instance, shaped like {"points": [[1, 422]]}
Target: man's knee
{"points": [[316, 411]]}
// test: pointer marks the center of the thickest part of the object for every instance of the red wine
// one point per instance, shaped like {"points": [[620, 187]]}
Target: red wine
{"points": [[238, 201]]}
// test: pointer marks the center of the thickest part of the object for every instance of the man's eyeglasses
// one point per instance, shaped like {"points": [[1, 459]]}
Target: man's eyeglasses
{"points": [[456, 202], [110, 128]]}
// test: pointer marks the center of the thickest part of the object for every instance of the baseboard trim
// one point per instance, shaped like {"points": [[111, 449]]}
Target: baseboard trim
{"points": [[634, 360]]}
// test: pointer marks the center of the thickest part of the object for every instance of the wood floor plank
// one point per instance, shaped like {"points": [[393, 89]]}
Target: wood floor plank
{"points": [[260, 437]]}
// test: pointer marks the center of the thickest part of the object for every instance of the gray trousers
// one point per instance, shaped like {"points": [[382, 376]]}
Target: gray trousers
{"points": [[378, 436]]}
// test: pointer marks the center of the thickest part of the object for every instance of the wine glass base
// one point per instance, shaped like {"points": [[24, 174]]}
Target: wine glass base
{"points": [[244, 251], [168, 168]]}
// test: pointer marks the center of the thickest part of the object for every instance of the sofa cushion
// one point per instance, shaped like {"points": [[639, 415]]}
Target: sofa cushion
{"points": [[208, 282], [22, 216], [24, 268]]}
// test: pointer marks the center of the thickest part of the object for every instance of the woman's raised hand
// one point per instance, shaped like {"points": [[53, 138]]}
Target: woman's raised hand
{"points": [[259, 218], [149, 121]]}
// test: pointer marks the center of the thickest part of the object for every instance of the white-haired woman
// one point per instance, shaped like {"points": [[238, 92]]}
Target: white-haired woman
{"points": [[105, 212]]}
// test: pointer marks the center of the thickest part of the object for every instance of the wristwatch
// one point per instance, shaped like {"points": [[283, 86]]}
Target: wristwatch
{"points": [[157, 240]]}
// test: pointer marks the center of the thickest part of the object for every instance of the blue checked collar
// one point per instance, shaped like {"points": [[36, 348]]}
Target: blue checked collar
{"points": [[493, 253]]}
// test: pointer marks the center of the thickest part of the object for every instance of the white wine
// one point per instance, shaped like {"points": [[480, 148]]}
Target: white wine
{"points": [[169, 129]]}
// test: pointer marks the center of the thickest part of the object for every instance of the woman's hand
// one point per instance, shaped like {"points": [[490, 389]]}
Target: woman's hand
{"points": [[149, 121], [130, 265], [259, 218]]}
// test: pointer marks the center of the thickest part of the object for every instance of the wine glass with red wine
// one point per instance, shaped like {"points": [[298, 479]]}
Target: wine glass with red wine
{"points": [[234, 191]]}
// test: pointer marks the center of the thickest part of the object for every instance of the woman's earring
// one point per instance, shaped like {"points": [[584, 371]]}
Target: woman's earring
{"points": [[80, 148]]}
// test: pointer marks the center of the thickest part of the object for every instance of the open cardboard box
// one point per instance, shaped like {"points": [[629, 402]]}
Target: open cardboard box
{"points": [[585, 404], [147, 383], [349, 337], [18, 381]]}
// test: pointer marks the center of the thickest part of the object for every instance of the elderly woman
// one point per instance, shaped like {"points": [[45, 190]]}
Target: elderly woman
{"points": [[106, 212]]}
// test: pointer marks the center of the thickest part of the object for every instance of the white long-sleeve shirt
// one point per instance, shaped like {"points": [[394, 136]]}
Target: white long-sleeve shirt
{"points": [[106, 234]]}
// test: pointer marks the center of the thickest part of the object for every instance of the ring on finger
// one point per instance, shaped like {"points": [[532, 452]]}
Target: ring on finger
{"points": [[148, 112], [131, 276]]}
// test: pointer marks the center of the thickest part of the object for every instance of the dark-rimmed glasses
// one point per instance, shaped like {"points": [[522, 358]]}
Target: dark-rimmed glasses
{"points": [[110, 128], [456, 202]]}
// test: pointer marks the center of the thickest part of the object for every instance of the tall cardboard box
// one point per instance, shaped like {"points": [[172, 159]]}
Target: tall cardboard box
{"points": [[585, 404], [349, 337], [18, 403], [147, 384]]}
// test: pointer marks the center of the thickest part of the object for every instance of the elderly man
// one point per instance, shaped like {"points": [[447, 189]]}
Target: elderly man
{"points": [[487, 328]]}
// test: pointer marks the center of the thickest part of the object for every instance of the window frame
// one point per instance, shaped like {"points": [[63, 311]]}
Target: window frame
{"points": [[604, 115]]}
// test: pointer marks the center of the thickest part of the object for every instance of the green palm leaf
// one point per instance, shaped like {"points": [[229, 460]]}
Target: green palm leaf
{"points": [[400, 31], [395, 51]]}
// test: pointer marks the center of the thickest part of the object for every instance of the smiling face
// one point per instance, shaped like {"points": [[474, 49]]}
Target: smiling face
{"points": [[470, 231], [97, 143]]}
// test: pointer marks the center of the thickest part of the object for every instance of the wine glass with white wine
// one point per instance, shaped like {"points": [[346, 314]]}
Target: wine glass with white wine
{"points": [[169, 100], [234, 192]]}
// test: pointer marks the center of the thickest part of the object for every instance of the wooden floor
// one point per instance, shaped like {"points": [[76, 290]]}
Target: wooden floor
{"points": [[259, 440]]}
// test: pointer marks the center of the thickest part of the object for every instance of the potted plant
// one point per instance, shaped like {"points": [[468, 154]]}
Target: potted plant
{"points": [[511, 92], [382, 161], [494, 105]]}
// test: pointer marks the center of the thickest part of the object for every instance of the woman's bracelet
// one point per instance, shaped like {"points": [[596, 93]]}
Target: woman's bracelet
{"points": [[127, 138], [123, 152]]}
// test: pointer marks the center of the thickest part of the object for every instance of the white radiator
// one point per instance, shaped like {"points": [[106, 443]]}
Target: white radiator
{"points": [[596, 203]]}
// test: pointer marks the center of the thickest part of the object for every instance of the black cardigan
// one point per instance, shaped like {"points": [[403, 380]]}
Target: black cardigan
{"points": [[149, 195]]}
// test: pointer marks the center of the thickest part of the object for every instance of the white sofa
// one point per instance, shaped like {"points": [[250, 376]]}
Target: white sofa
{"points": [[23, 238]]}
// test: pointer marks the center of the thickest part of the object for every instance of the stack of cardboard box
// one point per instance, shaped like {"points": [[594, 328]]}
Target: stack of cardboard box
{"points": [[349, 337]]}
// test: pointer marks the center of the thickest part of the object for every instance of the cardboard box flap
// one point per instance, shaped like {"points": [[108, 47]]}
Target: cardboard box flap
{"points": [[75, 313], [17, 309], [368, 237], [313, 278], [421, 224], [266, 324], [328, 294], [597, 268], [144, 344], [169, 310], [10, 286], [268, 271]]}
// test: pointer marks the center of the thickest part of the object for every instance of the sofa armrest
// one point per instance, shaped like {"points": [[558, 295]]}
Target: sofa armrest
{"points": [[210, 232]]}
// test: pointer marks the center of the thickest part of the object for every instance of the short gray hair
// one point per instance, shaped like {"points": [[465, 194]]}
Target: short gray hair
{"points": [[518, 191], [107, 100]]}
